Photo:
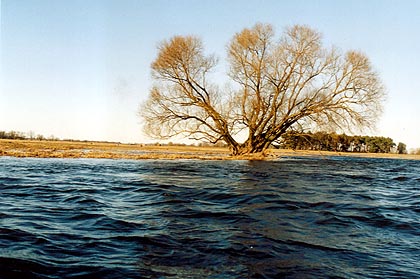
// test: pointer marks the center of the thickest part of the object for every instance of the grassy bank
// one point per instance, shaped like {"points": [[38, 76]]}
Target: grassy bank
{"points": [[75, 149]]}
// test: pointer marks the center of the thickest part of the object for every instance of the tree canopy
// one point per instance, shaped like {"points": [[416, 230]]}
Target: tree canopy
{"points": [[279, 85]]}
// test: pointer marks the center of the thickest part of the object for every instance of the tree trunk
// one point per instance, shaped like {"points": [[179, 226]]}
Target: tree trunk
{"points": [[251, 146]]}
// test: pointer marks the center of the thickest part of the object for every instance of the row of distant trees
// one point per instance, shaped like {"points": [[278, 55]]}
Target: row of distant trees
{"points": [[322, 141], [24, 136], [340, 142]]}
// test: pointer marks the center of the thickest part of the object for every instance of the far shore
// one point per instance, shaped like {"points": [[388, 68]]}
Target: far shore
{"points": [[104, 150]]}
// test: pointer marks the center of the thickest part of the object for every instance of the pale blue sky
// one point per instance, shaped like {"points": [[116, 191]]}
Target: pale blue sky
{"points": [[79, 69]]}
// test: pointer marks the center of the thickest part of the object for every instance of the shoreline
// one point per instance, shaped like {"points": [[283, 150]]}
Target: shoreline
{"points": [[105, 150]]}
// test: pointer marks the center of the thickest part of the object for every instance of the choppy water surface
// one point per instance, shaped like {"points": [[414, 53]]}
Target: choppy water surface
{"points": [[291, 218]]}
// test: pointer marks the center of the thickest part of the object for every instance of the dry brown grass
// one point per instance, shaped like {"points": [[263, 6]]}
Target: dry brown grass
{"points": [[70, 149]]}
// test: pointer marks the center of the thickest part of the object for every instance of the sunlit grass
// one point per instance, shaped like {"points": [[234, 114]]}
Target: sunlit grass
{"points": [[74, 149]]}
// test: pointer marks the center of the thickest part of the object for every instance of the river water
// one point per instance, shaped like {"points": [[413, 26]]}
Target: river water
{"points": [[304, 217]]}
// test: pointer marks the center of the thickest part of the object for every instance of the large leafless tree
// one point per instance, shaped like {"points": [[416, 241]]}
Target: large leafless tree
{"points": [[290, 83]]}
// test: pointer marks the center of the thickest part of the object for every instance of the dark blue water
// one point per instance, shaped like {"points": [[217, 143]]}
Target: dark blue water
{"points": [[291, 218]]}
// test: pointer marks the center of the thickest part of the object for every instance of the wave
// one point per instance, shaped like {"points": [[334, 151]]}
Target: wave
{"points": [[295, 218]]}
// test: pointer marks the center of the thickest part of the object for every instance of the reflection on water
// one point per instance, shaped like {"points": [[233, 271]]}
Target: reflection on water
{"points": [[294, 218]]}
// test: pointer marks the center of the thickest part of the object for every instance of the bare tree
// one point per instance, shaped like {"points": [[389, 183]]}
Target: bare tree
{"points": [[292, 83]]}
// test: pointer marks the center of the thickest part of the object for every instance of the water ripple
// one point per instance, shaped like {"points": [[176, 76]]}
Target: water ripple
{"points": [[292, 218]]}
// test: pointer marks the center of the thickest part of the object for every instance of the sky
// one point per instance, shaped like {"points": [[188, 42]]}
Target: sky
{"points": [[80, 69]]}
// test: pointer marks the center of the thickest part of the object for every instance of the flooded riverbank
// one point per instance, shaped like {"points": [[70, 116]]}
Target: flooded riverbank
{"points": [[104, 150]]}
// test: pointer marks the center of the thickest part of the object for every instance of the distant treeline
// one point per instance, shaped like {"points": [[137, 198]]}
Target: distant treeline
{"points": [[14, 135], [24, 136], [291, 140], [340, 142]]}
